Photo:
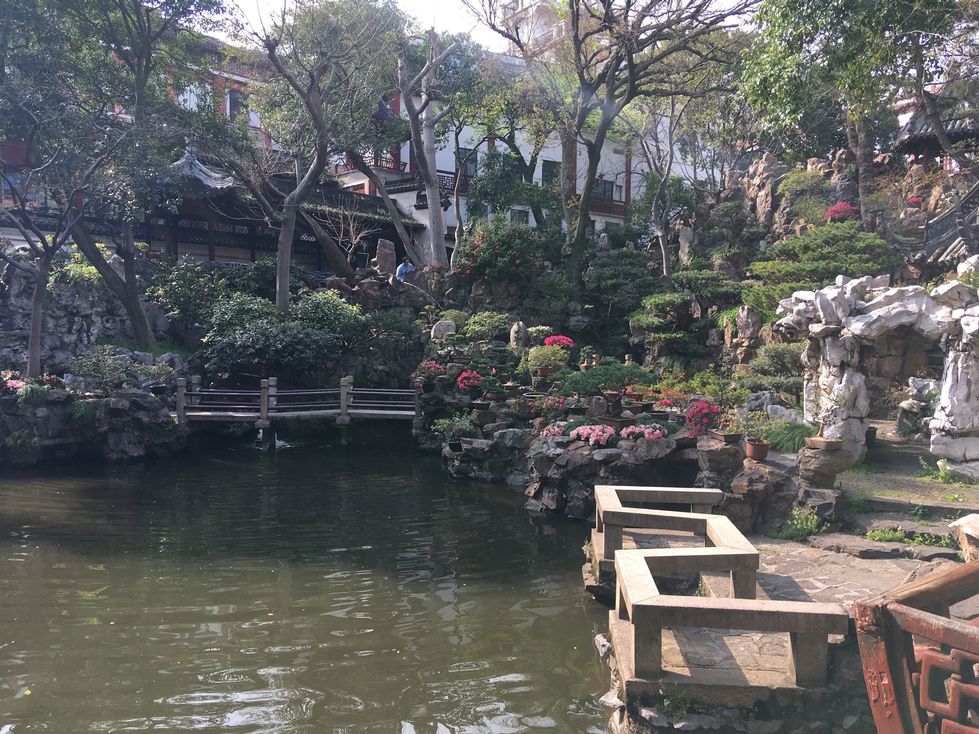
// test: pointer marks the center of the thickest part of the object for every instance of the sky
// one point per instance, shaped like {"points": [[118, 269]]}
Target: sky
{"points": [[445, 15]]}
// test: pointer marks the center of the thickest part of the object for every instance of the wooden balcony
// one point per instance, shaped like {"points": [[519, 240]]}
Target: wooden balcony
{"points": [[608, 206], [380, 161]]}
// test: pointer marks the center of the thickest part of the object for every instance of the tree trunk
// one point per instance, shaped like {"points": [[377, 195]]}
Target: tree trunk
{"points": [[664, 248], [580, 232], [330, 248], [42, 273], [127, 291], [569, 179], [283, 255], [390, 205], [858, 138], [425, 156]]}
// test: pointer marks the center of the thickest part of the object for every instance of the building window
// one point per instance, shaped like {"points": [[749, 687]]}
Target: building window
{"points": [[520, 216], [604, 190], [237, 103], [194, 97], [467, 163], [550, 172]]}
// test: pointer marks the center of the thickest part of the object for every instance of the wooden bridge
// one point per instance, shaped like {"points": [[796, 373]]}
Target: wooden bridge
{"points": [[269, 403]]}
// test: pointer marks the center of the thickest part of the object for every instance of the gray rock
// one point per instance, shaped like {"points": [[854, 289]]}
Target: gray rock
{"points": [[519, 336], [965, 530], [442, 329], [512, 438], [385, 259]]}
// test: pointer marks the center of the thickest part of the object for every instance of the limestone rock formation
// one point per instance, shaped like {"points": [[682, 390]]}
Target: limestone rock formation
{"points": [[853, 313]]}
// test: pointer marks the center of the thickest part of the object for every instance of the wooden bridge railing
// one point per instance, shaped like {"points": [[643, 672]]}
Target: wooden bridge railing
{"points": [[269, 402], [918, 663]]}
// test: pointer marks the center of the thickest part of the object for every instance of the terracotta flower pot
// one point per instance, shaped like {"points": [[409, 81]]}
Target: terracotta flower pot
{"points": [[756, 449]]}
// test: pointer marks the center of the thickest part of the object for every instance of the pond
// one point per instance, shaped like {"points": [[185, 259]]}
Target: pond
{"points": [[311, 589]]}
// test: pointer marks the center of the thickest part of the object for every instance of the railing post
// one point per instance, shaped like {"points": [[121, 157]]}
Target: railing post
{"points": [[417, 423], [263, 404], [346, 385], [195, 388], [273, 391], [181, 399]]}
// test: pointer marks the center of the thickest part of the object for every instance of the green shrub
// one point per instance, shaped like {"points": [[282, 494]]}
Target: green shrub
{"points": [[707, 286], [765, 298], [81, 413], [888, 535], [73, 268], [779, 360], [551, 292], [187, 293], [604, 377], [620, 280], [456, 316], [455, 427], [239, 309], [803, 523], [539, 333], [708, 383], [810, 208], [499, 250], [800, 182], [109, 368], [259, 278], [33, 394], [327, 311], [553, 358], [824, 253], [786, 437], [486, 324]]}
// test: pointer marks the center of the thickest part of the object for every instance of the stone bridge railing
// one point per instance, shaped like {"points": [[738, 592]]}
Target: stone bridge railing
{"points": [[643, 611]]}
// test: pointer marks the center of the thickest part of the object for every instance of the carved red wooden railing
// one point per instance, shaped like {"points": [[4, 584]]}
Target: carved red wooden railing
{"points": [[921, 667]]}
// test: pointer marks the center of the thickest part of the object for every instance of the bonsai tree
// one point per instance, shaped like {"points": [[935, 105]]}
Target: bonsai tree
{"points": [[550, 358]]}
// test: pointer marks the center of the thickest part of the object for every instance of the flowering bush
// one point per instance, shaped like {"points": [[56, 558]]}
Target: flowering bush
{"points": [[914, 201], [427, 371], [701, 417], [839, 212], [664, 403], [650, 433], [499, 250], [549, 405], [554, 429], [469, 380], [594, 435], [559, 340], [13, 385], [434, 268], [52, 381]]}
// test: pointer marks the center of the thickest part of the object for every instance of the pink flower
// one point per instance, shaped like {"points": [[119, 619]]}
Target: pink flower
{"points": [[665, 403], [427, 371], [469, 380], [559, 340], [650, 433], [594, 435], [839, 212], [554, 429], [701, 417]]}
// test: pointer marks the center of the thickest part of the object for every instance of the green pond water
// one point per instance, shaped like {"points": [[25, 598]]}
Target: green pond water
{"points": [[312, 589]]}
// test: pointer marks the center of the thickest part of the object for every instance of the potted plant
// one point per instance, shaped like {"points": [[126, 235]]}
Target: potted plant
{"points": [[727, 429], [492, 390], [452, 430], [425, 374], [546, 360], [586, 354], [470, 381], [755, 448], [702, 417]]}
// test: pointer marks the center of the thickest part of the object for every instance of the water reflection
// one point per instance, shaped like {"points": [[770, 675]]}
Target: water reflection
{"points": [[313, 590]]}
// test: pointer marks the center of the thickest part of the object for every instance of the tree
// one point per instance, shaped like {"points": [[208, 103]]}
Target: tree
{"points": [[419, 92], [609, 54], [332, 61], [860, 54], [152, 51], [63, 98]]}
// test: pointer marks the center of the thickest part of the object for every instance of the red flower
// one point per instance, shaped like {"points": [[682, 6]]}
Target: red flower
{"points": [[841, 211]]}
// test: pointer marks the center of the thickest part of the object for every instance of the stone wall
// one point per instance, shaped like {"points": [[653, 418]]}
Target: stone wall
{"points": [[76, 317], [127, 424]]}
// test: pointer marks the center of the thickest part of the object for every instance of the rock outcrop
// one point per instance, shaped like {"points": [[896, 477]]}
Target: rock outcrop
{"points": [[846, 320]]}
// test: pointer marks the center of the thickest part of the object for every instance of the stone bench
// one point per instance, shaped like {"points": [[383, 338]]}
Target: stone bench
{"points": [[647, 612]]}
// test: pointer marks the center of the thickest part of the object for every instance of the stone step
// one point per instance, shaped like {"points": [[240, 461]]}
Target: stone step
{"points": [[898, 521], [936, 508], [862, 547]]}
